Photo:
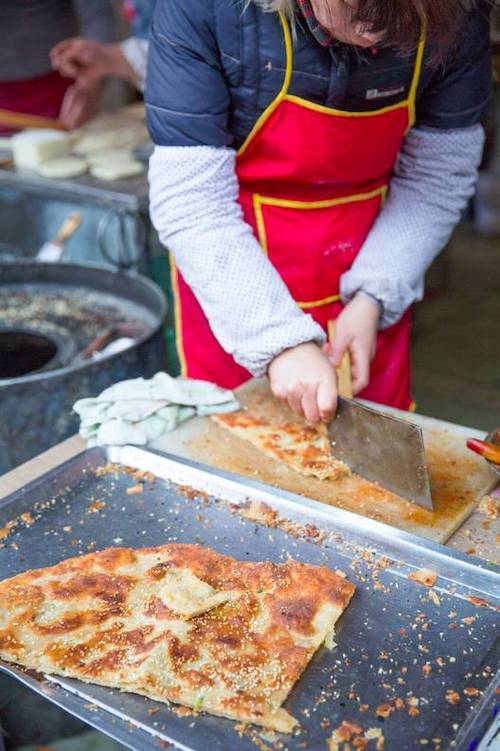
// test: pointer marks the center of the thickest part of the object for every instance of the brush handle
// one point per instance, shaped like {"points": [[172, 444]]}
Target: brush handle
{"points": [[69, 228], [344, 371]]}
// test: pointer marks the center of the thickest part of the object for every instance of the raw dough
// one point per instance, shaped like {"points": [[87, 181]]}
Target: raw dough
{"points": [[70, 166], [34, 147], [95, 140], [117, 170], [111, 155]]}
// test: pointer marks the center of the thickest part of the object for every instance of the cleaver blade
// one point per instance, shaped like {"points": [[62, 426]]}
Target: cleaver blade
{"points": [[382, 448]]}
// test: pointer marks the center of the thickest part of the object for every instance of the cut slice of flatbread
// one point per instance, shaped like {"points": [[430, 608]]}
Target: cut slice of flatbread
{"points": [[304, 448], [176, 623]]}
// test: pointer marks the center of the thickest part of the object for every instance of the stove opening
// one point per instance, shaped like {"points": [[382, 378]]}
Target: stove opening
{"points": [[23, 352]]}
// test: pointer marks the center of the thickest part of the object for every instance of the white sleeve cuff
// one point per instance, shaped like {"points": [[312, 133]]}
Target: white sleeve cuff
{"points": [[135, 51]]}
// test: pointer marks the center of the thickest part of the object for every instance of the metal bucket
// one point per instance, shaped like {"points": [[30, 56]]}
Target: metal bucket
{"points": [[48, 315]]}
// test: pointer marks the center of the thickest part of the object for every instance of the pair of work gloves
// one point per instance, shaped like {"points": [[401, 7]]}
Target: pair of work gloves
{"points": [[139, 411]]}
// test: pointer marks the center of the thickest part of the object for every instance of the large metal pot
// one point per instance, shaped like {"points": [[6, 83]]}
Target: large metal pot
{"points": [[48, 315]]}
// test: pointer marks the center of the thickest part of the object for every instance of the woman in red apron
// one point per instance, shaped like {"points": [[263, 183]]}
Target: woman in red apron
{"points": [[313, 180], [301, 196]]}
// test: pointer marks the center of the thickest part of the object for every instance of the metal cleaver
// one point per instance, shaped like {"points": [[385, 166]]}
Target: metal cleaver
{"points": [[382, 448]]}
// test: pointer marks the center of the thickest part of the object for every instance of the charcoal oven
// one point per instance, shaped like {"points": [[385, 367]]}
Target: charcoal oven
{"points": [[49, 316]]}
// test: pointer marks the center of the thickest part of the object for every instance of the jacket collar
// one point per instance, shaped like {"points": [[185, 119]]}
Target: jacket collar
{"points": [[319, 33]]}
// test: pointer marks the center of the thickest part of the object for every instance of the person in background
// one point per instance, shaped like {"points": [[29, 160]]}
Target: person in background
{"points": [[28, 31], [312, 158], [89, 62]]}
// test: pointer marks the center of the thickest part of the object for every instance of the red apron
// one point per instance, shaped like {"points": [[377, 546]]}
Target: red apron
{"points": [[312, 182], [37, 96]]}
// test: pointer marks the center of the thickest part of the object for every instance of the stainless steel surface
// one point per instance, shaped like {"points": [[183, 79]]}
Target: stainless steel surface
{"points": [[382, 448], [131, 193], [382, 644]]}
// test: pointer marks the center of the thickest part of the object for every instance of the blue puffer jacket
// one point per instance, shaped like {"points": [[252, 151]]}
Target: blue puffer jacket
{"points": [[215, 65]]}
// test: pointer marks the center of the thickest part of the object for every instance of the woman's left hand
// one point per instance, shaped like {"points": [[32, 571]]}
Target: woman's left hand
{"points": [[356, 332], [80, 104]]}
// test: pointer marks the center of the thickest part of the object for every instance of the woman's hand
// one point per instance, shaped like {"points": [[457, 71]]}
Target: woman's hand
{"points": [[80, 104], [304, 377], [89, 62], [356, 332]]}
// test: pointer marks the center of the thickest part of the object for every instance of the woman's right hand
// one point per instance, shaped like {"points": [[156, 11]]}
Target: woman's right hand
{"points": [[89, 62], [304, 377]]}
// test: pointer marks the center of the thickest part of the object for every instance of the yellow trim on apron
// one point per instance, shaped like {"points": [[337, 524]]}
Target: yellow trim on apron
{"points": [[259, 201], [283, 91], [179, 340], [283, 95]]}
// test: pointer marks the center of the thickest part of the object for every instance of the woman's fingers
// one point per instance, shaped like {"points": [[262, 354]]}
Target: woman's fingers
{"points": [[360, 365], [304, 377], [294, 397], [66, 56], [339, 346], [309, 404], [327, 397]]}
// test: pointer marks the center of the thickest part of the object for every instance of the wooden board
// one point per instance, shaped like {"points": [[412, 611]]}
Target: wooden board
{"points": [[459, 478]]}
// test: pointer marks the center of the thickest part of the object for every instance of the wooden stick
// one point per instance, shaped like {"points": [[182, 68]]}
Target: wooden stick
{"points": [[344, 371], [99, 343], [24, 120]]}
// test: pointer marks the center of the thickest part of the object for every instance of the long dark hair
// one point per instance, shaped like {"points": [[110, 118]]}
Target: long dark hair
{"points": [[403, 20]]}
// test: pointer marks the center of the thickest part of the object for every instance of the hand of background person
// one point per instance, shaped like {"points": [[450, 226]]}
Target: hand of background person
{"points": [[304, 377], [89, 62], [356, 332], [80, 104]]}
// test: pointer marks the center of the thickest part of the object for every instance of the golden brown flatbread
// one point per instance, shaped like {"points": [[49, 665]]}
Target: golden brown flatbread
{"points": [[304, 448], [177, 623]]}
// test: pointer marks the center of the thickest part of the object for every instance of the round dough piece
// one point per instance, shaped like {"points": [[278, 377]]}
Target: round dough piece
{"points": [[117, 170], [111, 155], [69, 166]]}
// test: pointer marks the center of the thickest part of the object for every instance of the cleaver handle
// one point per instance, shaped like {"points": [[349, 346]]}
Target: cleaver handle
{"points": [[344, 371]]}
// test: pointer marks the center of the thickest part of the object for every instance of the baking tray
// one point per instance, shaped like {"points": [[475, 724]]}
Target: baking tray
{"points": [[383, 640]]}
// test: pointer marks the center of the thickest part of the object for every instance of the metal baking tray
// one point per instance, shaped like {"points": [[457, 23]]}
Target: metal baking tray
{"points": [[382, 639]]}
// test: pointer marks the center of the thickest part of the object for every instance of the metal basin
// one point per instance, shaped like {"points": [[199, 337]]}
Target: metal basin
{"points": [[49, 313]]}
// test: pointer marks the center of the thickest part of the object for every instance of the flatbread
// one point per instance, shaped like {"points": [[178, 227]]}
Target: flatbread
{"points": [[177, 623], [304, 448], [114, 170], [63, 168]]}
